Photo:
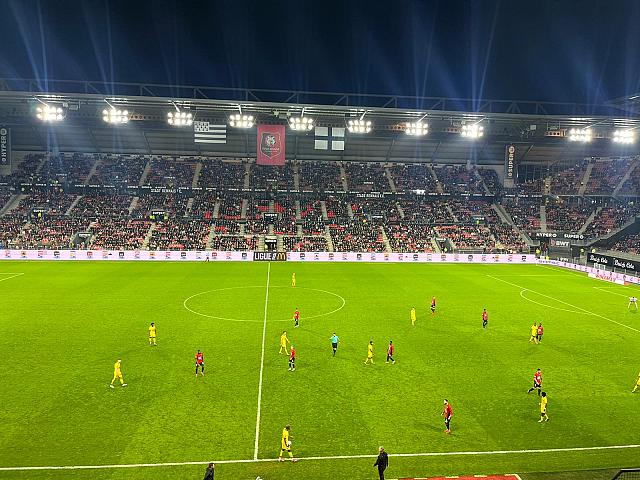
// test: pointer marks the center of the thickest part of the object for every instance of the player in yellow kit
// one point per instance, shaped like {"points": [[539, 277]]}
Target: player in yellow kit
{"points": [[293, 279], [413, 315], [369, 353], [283, 343], [637, 385], [117, 373], [543, 408], [285, 444], [534, 334], [152, 334]]}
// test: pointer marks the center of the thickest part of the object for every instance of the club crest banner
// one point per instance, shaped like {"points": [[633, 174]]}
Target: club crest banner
{"points": [[271, 144]]}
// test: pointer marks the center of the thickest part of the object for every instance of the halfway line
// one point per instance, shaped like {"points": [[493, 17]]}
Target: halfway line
{"points": [[264, 333], [337, 457]]}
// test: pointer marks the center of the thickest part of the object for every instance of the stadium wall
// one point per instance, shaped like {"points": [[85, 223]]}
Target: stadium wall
{"points": [[248, 256]]}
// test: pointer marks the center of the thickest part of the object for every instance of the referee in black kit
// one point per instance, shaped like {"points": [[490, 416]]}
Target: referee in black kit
{"points": [[382, 462]]}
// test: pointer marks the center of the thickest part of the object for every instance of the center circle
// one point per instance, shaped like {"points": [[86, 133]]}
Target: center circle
{"points": [[295, 300]]}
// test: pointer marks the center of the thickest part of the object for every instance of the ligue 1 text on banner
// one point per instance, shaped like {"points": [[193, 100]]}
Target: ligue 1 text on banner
{"points": [[271, 145], [269, 256]]}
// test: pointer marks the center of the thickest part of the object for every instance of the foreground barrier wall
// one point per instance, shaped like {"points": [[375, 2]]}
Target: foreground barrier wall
{"points": [[620, 278], [171, 255]]}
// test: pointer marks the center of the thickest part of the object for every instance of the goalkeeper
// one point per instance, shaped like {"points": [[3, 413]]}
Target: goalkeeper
{"points": [[286, 444]]}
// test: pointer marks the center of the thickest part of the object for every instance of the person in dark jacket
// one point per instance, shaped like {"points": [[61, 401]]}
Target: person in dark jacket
{"points": [[382, 462], [210, 473]]}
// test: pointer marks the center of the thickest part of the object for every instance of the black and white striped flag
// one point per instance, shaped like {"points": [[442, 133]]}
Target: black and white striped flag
{"points": [[204, 132], [329, 138]]}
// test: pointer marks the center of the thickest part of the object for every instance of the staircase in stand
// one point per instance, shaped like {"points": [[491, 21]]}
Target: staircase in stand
{"points": [[385, 240], [589, 220], [392, 184], [196, 175], [343, 178], [73, 204], [11, 204], [147, 238], [635, 164], [145, 173], [327, 236], [133, 204], [585, 180], [323, 209], [92, 171], [543, 218], [296, 177], [247, 176], [435, 177]]}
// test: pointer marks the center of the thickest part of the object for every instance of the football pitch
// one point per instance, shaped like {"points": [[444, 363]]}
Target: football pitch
{"points": [[63, 325]]}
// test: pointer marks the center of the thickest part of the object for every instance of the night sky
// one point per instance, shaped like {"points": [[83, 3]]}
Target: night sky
{"points": [[585, 51]]}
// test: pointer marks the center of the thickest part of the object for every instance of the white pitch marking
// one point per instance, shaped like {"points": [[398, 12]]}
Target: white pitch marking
{"points": [[264, 334], [612, 293], [549, 306], [12, 275], [338, 457], [566, 303], [186, 301]]}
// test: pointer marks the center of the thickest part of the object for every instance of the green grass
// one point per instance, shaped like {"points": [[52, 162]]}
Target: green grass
{"points": [[62, 326]]}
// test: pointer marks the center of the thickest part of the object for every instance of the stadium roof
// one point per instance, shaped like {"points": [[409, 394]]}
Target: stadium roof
{"points": [[523, 123]]}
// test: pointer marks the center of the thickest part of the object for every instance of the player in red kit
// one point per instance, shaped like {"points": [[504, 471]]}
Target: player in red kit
{"points": [[433, 305], [296, 318], [447, 413], [390, 350], [537, 382], [540, 332], [199, 363], [485, 318], [292, 359]]}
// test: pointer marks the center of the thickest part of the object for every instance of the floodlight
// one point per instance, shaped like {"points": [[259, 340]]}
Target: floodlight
{"points": [[359, 126], [241, 121], [580, 135], [115, 116], [179, 119], [50, 113], [301, 123], [624, 136], [472, 131], [416, 129]]}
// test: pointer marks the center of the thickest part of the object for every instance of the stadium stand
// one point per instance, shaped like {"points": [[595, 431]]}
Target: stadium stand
{"points": [[144, 202]]}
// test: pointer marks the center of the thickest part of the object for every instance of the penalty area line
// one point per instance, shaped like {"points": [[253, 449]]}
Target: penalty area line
{"points": [[11, 275], [337, 457], [565, 303]]}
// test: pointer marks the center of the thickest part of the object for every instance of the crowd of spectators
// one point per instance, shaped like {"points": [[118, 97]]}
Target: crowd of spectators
{"points": [[118, 170], [357, 237], [102, 206], [569, 181], [171, 172], [174, 205], [221, 175], [524, 212], [458, 179], [611, 217], [408, 237], [631, 186], [26, 170], [337, 209], [491, 180], [425, 211], [567, 217], [366, 177], [605, 176], [271, 177], [628, 244], [413, 176], [467, 238], [311, 215], [179, 235], [231, 243], [118, 234], [320, 176], [203, 205], [305, 244], [51, 232], [472, 211], [508, 238], [12, 225]]}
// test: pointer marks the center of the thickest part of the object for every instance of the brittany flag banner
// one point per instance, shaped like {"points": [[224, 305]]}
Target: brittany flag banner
{"points": [[271, 145], [205, 132]]}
